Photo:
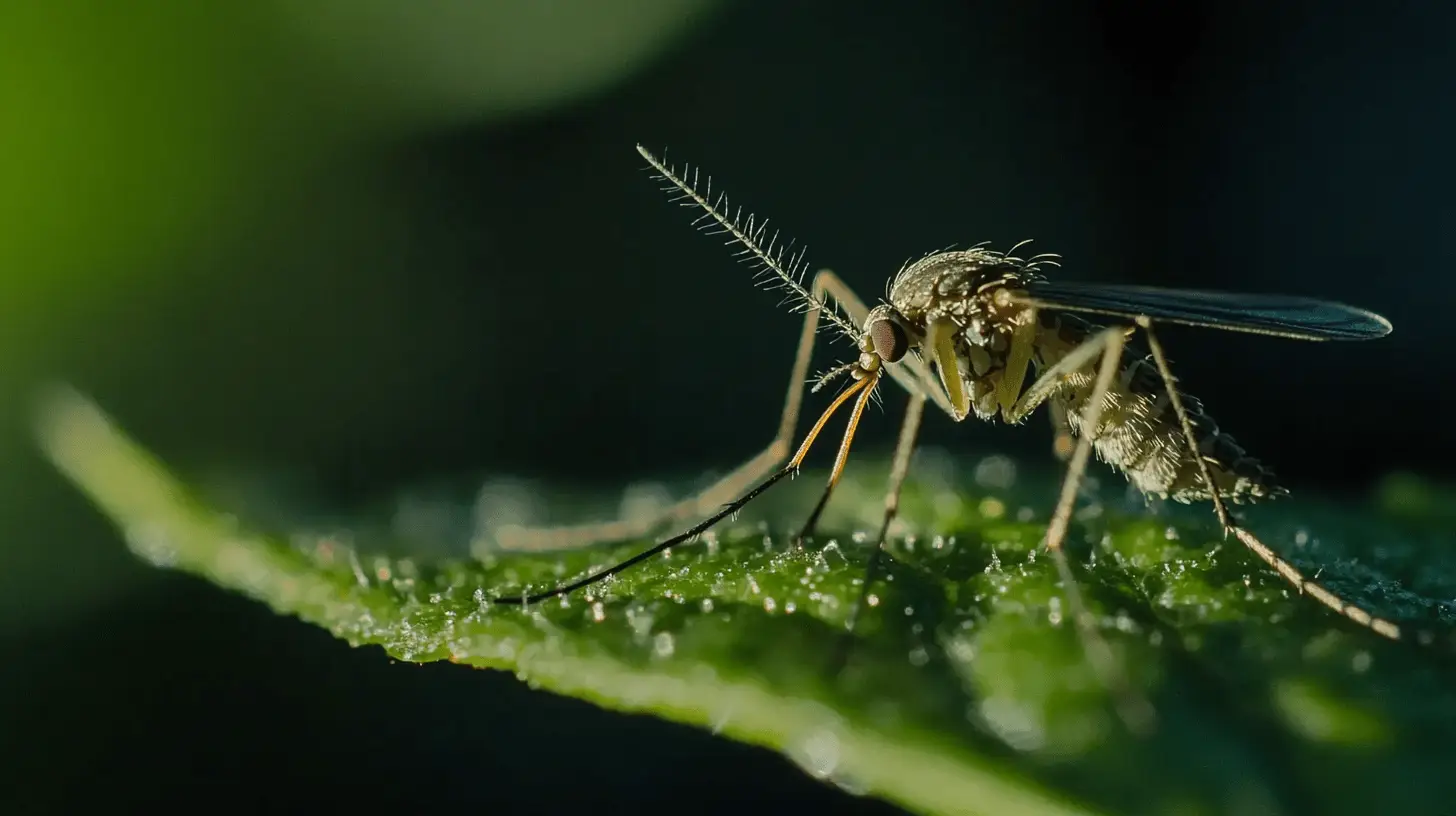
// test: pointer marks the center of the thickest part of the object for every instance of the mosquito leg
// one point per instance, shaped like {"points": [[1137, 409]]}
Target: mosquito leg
{"points": [[1285, 569], [920, 382], [1072, 366], [911, 373], [710, 499], [1169, 383], [864, 387], [1132, 707], [899, 468]]}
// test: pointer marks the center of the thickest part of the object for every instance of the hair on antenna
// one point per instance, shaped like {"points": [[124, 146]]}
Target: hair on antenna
{"points": [[787, 263]]}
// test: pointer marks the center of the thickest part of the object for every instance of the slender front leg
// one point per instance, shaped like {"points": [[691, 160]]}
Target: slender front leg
{"points": [[515, 537], [911, 373]]}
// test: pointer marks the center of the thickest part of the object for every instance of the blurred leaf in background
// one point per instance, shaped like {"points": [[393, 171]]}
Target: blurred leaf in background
{"points": [[135, 135]]}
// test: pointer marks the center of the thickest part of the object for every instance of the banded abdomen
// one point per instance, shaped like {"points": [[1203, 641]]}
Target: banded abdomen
{"points": [[1139, 432]]}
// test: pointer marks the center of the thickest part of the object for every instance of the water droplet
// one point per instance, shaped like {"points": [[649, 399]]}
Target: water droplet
{"points": [[360, 577], [1361, 662], [1125, 623], [663, 644], [599, 613], [706, 605], [919, 657], [834, 547], [818, 755], [873, 600], [639, 620], [909, 611], [1054, 611], [948, 503], [769, 604], [153, 544], [995, 472], [961, 649], [790, 607], [1014, 722]]}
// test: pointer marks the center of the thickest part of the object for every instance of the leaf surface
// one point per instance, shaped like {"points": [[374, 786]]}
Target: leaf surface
{"points": [[967, 690]]}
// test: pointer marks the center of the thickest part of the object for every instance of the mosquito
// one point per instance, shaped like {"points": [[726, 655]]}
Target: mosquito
{"points": [[985, 334]]}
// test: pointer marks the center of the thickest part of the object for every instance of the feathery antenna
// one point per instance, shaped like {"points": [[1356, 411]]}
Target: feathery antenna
{"points": [[759, 246]]}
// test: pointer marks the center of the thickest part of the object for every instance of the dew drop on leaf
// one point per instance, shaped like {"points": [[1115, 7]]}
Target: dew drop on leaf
{"points": [[663, 644], [1013, 722], [818, 754], [1361, 662]]}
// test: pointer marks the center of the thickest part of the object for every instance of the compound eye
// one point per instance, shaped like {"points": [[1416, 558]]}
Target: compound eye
{"points": [[890, 340]]}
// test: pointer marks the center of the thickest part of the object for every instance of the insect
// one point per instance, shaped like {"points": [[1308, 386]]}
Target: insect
{"points": [[985, 334]]}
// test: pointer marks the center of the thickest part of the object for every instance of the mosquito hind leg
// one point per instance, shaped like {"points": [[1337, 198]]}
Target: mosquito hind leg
{"points": [[1132, 707], [515, 537], [1286, 570]]}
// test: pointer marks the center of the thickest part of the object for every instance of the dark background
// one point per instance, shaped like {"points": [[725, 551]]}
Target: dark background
{"points": [[357, 251]]}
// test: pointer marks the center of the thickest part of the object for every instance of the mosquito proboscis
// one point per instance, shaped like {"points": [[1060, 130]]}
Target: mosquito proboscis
{"points": [[985, 334]]}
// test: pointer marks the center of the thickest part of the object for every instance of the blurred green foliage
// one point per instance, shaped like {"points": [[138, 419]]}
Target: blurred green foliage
{"points": [[136, 134], [967, 691]]}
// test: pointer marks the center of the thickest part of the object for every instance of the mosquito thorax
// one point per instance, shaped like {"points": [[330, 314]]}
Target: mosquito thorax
{"points": [[951, 306], [961, 287]]}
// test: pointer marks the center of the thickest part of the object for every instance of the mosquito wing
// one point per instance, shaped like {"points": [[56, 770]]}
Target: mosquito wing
{"points": [[1298, 318]]}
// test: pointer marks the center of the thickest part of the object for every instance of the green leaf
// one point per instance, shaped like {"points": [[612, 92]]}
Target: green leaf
{"points": [[966, 691]]}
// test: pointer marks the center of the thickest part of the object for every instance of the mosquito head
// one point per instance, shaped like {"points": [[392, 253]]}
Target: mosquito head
{"points": [[885, 338], [887, 334]]}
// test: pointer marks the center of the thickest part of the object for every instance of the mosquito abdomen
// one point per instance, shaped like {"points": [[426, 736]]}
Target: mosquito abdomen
{"points": [[1139, 433]]}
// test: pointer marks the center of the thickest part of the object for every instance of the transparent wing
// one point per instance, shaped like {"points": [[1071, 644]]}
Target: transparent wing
{"points": [[1279, 315]]}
